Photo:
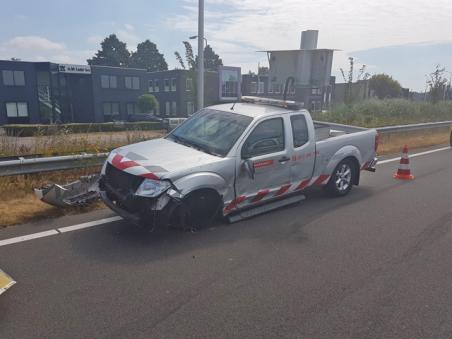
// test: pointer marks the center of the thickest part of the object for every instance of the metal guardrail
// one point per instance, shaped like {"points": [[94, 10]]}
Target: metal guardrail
{"points": [[36, 165], [413, 127]]}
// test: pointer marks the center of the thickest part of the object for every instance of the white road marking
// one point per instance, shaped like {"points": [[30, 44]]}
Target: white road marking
{"points": [[28, 237], [382, 162], [88, 224], [72, 228]]}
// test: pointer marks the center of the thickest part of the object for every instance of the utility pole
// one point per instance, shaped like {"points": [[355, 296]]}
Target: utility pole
{"points": [[200, 89]]}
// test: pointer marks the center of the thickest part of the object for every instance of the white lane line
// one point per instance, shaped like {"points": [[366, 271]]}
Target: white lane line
{"points": [[27, 237], [382, 162], [88, 224]]}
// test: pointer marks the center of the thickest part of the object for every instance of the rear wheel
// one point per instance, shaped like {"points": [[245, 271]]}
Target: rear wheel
{"points": [[341, 182]]}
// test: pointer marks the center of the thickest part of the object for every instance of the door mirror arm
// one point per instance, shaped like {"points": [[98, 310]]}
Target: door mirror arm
{"points": [[248, 165]]}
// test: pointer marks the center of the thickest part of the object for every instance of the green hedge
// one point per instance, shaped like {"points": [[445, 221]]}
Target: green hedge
{"points": [[36, 130]]}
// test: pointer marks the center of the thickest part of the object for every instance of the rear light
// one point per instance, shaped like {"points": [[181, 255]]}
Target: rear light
{"points": [[377, 141]]}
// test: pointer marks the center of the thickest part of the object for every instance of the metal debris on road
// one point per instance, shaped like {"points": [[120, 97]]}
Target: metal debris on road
{"points": [[78, 193]]}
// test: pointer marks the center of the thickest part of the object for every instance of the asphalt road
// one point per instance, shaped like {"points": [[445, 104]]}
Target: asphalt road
{"points": [[375, 264]]}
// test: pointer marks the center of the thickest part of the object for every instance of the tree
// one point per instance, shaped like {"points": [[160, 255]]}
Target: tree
{"points": [[211, 59], [437, 84], [385, 86], [147, 56], [147, 103], [113, 52]]}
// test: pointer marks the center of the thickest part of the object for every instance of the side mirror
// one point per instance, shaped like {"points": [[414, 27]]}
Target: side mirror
{"points": [[249, 168]]}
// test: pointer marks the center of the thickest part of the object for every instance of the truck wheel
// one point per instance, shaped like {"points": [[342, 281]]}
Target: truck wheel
{"points": [[200, 209], [341, 182]]}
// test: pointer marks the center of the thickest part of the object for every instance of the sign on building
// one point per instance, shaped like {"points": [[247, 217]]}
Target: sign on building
{"points": [[74, 69]]}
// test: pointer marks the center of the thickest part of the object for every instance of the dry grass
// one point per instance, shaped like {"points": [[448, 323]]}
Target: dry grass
{"points": [[62, 143], [391, 143], [19, 204]]}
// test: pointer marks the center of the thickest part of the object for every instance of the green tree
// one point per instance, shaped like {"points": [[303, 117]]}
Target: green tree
{"points": [[147, 103], [211, 59], [385, 86], [147, 56], [113, 52], [437, 84]]}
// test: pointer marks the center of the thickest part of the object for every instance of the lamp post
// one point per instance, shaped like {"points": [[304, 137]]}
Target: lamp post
{"points": [[200, 89]]}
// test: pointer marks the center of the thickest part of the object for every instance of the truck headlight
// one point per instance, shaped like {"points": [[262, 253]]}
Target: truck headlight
{"points": [[152, 188]]}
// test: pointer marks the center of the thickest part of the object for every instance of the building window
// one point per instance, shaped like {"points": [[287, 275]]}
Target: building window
{"points": [[132, 82], [166, 84], [13, 78], [16, 109], [270, 88], [111, 110], [150, 86], [189, 84], [167, 108], [108, 81], [190, 108], [156, 85], [174, 108], [276, 88], [253, 87], [260, 89], [132, 108], [173, 85], [316, 91]]}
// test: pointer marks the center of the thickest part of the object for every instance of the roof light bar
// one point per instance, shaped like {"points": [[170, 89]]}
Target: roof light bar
{"points": [[273, 102]]}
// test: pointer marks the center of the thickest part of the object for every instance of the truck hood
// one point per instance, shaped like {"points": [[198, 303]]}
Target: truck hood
{"points": [[159, 159]]}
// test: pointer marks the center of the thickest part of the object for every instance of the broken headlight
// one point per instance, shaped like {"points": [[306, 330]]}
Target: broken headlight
{"points": [[152, 188]]}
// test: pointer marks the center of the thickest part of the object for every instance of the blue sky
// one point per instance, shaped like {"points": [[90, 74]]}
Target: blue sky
{"points": [[404, 38]]}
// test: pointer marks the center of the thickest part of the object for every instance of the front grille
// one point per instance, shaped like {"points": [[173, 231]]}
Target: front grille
{"points": [[121, 180]]}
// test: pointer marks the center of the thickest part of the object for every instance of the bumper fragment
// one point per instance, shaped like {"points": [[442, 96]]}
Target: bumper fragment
{"points": [[371, 166]]}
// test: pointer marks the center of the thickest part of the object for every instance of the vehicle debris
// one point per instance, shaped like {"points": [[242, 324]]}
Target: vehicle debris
{"points": [[5, 282], [78, 193]]}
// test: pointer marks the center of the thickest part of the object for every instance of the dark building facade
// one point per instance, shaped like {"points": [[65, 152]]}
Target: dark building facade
{"points": [[44, 92]]}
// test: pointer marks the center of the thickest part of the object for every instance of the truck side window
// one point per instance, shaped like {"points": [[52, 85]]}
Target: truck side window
{"points": [[267, 137], [299, 130]]}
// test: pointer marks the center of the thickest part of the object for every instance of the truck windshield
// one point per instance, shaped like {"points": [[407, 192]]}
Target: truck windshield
{"points": [[211, 131]]}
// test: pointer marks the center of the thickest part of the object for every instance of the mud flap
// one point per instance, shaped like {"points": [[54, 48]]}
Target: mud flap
{"points": [[77, 193], [5, 282]]}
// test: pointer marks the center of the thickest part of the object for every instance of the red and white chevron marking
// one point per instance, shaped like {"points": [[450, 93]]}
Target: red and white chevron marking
{"points": [[244, 200], [130, 166]]}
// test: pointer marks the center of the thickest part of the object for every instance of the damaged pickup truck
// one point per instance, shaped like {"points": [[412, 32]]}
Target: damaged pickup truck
{"points": [[236, 160]]}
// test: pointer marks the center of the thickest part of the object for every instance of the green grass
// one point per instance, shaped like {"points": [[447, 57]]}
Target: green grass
{"points": [[377, 113]]}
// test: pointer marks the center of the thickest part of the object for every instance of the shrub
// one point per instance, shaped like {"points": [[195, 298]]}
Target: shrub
{"points": [[147, 103], [34, 130]]}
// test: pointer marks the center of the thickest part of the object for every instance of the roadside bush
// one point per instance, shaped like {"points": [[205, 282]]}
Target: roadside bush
{"points": [[39, 130], [377, 113]]}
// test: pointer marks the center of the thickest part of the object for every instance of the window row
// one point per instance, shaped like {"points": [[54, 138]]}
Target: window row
{"points": [[169, 85], [111, 81], [13, 78], [16, 109]]}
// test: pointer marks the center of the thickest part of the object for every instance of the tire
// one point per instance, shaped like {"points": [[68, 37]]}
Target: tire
{"points": [[342, 179], [199, 209]]}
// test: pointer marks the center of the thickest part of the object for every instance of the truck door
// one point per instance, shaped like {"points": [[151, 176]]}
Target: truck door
{"points": [[266, 150], [303, 157]]}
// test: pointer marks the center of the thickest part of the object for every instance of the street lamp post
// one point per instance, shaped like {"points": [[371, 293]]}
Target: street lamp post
{"points": [[200, 89]]}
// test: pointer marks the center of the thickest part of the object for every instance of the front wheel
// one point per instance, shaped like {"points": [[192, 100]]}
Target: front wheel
{"points": [[341, 182]]}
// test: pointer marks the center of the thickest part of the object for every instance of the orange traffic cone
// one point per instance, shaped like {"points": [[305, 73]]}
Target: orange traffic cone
{"points": [[404, 172]]}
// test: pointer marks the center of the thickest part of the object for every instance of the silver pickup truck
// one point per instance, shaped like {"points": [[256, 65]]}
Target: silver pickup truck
{"points": [[237, 160]]}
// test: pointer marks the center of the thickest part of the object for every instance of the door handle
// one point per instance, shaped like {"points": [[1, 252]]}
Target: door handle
{"points": [[284, 159]]}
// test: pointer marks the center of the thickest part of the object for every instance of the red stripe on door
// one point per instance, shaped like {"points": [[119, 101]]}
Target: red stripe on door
{"points": [[302, 185], [234, 203], [264, 163], [321, 179], [260, 195], [282, 190]]}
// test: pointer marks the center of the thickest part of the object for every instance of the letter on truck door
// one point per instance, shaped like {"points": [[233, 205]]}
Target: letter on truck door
{"points": [[266, 149], [303, 157]]}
